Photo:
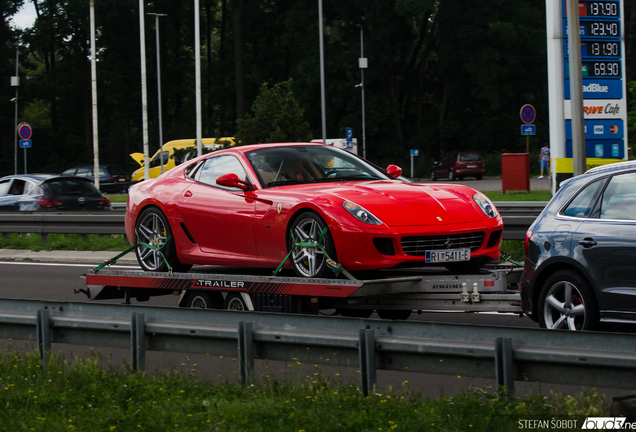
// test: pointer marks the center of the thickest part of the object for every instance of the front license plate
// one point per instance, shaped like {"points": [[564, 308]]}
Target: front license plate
{"points": [[450, 255], [471, 166]]}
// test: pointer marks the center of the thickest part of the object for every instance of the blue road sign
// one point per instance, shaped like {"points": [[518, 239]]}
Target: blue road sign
{"points": [[528, 130], [24, 130], [415, 152], [25, 143], [349, 134]]}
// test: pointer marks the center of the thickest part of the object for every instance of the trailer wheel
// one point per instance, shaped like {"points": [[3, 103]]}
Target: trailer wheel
{"points": [[355, 313], [204, 300], [234, 301], [394, 314], [311, 262], [153, 229]]}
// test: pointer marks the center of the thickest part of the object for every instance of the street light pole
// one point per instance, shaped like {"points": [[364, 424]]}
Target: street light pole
{"points": [[157, 15], [197, 77], [322, 76], [362, 63], [94, 95], [144, 90], [15, 81]]}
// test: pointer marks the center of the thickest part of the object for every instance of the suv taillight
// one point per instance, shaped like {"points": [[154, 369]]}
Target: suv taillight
{"points": [[48, 202], [528, 236]]}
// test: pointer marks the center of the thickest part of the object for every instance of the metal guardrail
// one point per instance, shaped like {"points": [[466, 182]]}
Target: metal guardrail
{"points": [[505, 354], [517, 217]]}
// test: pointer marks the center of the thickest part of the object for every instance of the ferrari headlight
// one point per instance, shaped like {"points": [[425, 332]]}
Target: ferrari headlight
{"points": [[360, 213], [485, 205]]}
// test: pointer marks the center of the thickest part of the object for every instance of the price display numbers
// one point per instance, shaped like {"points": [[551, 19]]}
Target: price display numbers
{"points": [[602, 49], [602, 9], [609, 69], [601, 28]]}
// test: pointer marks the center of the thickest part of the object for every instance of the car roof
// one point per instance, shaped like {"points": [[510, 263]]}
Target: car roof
{"points": [[34, 177], [612, 167]]}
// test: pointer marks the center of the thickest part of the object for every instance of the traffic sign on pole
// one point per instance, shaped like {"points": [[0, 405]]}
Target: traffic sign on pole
{"points": [[24, 130], [527, 114], [25, 144]]}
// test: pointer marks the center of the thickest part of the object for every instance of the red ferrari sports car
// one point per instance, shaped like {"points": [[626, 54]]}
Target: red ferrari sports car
{"points": [[252, 205]]}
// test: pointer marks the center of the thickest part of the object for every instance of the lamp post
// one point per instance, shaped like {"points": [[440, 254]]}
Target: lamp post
{"points": [[144, 90], [94, 95], [157, 15], [322, 75], [15, 82], [362, 63]]}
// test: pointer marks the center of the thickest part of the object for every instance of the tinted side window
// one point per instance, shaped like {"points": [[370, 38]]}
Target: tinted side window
{"points": [[581, 205], [84, 172], [215, 167], [619, 198], [17, 187]]}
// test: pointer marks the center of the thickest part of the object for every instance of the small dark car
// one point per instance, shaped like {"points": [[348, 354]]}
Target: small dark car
{"points": [[44, 192], [457, 165], [580, 257], [111, 177]]}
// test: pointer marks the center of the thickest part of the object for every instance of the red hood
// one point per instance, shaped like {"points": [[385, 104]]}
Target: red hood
{"points": [[407, 204]]}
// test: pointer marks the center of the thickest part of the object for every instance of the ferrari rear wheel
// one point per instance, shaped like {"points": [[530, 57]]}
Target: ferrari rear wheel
{"points": [[154, 232], [311, 261]]}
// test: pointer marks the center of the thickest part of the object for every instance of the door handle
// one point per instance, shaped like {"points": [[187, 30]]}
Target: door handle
{"points": [[587, 242], [188, 194]]}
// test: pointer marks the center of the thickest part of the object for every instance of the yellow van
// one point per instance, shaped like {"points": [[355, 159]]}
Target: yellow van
{"points": [[172, 155]]}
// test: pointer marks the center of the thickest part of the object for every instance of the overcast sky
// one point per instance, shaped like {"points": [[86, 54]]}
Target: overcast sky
{"points": [[26, 16]]}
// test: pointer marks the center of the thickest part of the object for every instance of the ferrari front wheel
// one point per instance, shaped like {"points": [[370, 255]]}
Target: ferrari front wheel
{"points": [[156, 248], [309, 245]]}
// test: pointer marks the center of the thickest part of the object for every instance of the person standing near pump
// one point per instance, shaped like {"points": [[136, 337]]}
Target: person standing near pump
{"points": [[544, 159]]}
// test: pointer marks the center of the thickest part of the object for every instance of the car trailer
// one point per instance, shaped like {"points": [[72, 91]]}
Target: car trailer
{"points": [[392, 294]]}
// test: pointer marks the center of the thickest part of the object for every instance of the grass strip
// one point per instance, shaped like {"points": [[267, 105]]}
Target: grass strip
{"points": [[83, 395]]}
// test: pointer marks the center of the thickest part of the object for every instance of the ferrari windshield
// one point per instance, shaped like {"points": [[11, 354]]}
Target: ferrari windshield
{"points": [[278, 166]]}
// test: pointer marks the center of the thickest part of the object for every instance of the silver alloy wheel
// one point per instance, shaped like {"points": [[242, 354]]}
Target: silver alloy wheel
{"points": [[151, 230], [308, 260], [564, 307], [451, 175], [236, 303]]}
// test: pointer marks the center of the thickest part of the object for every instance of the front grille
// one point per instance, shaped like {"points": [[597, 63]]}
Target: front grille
{"points": [[417, 246]]}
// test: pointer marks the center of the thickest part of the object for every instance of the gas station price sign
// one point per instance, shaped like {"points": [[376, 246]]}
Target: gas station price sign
{"points": [[601, 49], [600, 29], [607, 9]]}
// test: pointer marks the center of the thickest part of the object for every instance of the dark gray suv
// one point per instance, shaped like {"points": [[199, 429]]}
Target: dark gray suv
{"points": [[580, 257]]}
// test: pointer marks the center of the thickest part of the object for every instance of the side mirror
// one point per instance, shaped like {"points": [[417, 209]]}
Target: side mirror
{"points": [[394, 171], [232, 180]]}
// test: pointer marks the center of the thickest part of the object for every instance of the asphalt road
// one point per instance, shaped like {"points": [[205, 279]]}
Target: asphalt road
{"points": [[57, 282]]}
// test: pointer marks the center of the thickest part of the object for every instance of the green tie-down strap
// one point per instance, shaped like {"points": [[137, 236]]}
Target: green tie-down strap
{"points": [[334, 266], [139, 243], [509, 259]]}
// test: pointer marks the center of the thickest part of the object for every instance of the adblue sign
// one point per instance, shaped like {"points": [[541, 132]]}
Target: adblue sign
{"points": [[598, 89]]}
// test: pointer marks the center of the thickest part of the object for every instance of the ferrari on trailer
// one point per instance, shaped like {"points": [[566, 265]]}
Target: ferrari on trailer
{"points": [[257, 205]]}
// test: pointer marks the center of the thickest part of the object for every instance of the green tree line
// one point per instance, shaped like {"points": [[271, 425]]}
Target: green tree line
{"points": [[442, 74]]}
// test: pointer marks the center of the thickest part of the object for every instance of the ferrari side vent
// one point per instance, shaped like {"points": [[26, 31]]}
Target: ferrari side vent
{"points": [[494, 239], [384, 245], [187, 233], [418, 245]]}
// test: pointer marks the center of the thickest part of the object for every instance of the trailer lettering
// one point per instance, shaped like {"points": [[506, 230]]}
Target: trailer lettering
{"points": [[219, 284], [450, 286]]}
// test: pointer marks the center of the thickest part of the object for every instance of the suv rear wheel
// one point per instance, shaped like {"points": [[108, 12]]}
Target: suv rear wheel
{"points": [[567, 302]]}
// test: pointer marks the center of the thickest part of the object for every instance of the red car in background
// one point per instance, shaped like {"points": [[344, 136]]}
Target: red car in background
{"points": [[457, 165], [251, 205]]}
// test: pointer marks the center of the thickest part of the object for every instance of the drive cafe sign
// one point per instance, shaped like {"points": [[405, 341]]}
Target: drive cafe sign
{"points": [[598, 109]]}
